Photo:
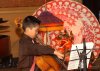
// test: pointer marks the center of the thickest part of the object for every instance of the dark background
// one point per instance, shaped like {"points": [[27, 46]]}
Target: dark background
{"points": [[94, 6]]}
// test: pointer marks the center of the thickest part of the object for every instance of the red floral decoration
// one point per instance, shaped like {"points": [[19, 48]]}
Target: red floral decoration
{"points": [[65, 40]]}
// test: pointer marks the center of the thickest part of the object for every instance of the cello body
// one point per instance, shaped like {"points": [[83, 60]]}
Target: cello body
{"points": [[47, 63]]}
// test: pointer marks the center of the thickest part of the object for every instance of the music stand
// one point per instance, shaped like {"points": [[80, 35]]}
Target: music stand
{"points": [[76, 60]]}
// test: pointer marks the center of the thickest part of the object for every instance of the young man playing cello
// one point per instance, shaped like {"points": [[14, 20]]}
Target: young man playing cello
{"points": [[28, 47]]}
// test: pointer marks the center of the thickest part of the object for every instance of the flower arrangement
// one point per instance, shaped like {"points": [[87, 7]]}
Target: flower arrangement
{"points": [[65, 40], [65, 35], [18, 29], [18, 21]]}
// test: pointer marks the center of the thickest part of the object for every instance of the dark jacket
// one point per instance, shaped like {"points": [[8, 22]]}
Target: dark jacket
{"points": [[28, 49]]}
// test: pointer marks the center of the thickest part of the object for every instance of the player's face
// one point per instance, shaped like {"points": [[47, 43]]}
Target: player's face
{"points": [[33, 31]]}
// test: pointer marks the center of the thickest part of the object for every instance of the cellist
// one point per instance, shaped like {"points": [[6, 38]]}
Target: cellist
{"points": [[28, 47]]}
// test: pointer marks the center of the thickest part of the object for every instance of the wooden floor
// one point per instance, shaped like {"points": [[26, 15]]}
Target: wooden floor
{"points": [[10, 69]]}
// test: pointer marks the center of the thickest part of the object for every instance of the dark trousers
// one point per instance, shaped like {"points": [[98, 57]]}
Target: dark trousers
{"points": [[25, 69], [37, 68]]}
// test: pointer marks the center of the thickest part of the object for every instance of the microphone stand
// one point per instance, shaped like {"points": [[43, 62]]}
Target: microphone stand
{"points": [[83, 56]]}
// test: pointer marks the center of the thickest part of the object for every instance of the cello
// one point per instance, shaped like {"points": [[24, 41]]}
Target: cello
{"points": [[52, 63]]}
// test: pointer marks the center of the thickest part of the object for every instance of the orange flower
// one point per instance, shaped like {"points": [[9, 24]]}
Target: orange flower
{"points": [[18, 21]]}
